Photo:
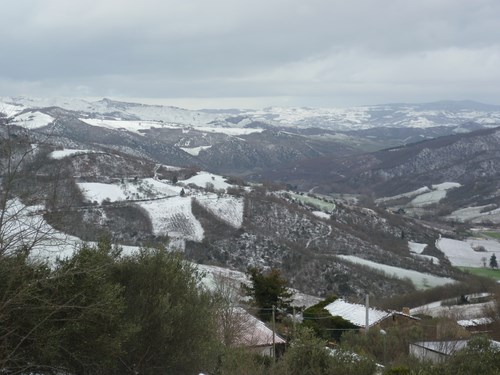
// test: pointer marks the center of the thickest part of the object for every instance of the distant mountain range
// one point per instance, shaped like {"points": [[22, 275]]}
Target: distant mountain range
{"points": [[443, 113]]}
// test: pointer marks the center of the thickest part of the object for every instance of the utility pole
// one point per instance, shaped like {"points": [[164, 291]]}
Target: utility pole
{"points": [[274, 340], [367, 322]]}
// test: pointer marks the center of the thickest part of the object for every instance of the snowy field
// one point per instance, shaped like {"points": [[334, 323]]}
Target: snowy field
{"points": [[24, 226], [416, 250], [137, 126], [462, 253], [409, 194], [437, 193], [321, 215], [227, 208], [32, 120], [170, 213], [419, 279], [174, 216], [202, 178], [477, 214], [147, 188], [423, 196], [195, 151], [416, 247], [61, 154], [467, 311]]}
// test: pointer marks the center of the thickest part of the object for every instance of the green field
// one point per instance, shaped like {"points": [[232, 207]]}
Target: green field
{"points": [[492, 234], [315, 202], [485, 272]]}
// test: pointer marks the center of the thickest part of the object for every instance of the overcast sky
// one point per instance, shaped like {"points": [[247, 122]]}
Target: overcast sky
{"points": [[242, 53]]}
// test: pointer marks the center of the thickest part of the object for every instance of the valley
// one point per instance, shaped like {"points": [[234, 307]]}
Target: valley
{"points": [[380, 200]]}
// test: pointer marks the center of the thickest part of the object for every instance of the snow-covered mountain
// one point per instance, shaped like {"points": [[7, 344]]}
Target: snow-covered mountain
{"points": [[445, 113]]}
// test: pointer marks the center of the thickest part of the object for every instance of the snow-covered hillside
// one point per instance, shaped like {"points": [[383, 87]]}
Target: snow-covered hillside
{"points": [[419, 279], [170, 206]]}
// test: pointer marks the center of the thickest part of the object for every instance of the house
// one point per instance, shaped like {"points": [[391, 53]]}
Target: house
{"points": [[436, 351], [439, 351], [356, 314], [477, 325], [241, 329]]}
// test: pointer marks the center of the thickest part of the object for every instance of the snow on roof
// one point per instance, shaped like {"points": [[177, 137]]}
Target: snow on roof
{"points": [[355, 313], [254, 332], [449, 347], [475, 322], [444, 347]]}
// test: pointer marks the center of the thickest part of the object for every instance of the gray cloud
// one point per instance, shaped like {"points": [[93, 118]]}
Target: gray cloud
{"points": [[319, 52]]}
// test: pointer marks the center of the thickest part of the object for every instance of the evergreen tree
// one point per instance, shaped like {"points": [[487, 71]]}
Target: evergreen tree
{"points": [[493, 261], [268, 290]]}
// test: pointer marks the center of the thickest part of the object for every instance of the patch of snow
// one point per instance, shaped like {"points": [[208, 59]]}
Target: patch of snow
{"points": [[321, 214], [202, 178], [98, 192], [147, 188], [227, 208], [409, 194], [475, 322], [430, 258], [416, 247], [32, 120], [476, 214], [229, 131], [180, 123], [462, 312], [419, 279], [195, 151], [25, 226], [132, 126], [462, 253], [174, 217], [60, 154], [428, 198], [446, 186], [10, 109]]}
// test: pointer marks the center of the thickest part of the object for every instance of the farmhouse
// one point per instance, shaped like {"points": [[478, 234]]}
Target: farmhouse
{"points": [[439, 351], [253, 334], [356, 314]]}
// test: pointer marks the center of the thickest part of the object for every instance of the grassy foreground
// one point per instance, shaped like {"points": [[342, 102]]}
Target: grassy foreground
{"points": [[485, 272]]}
